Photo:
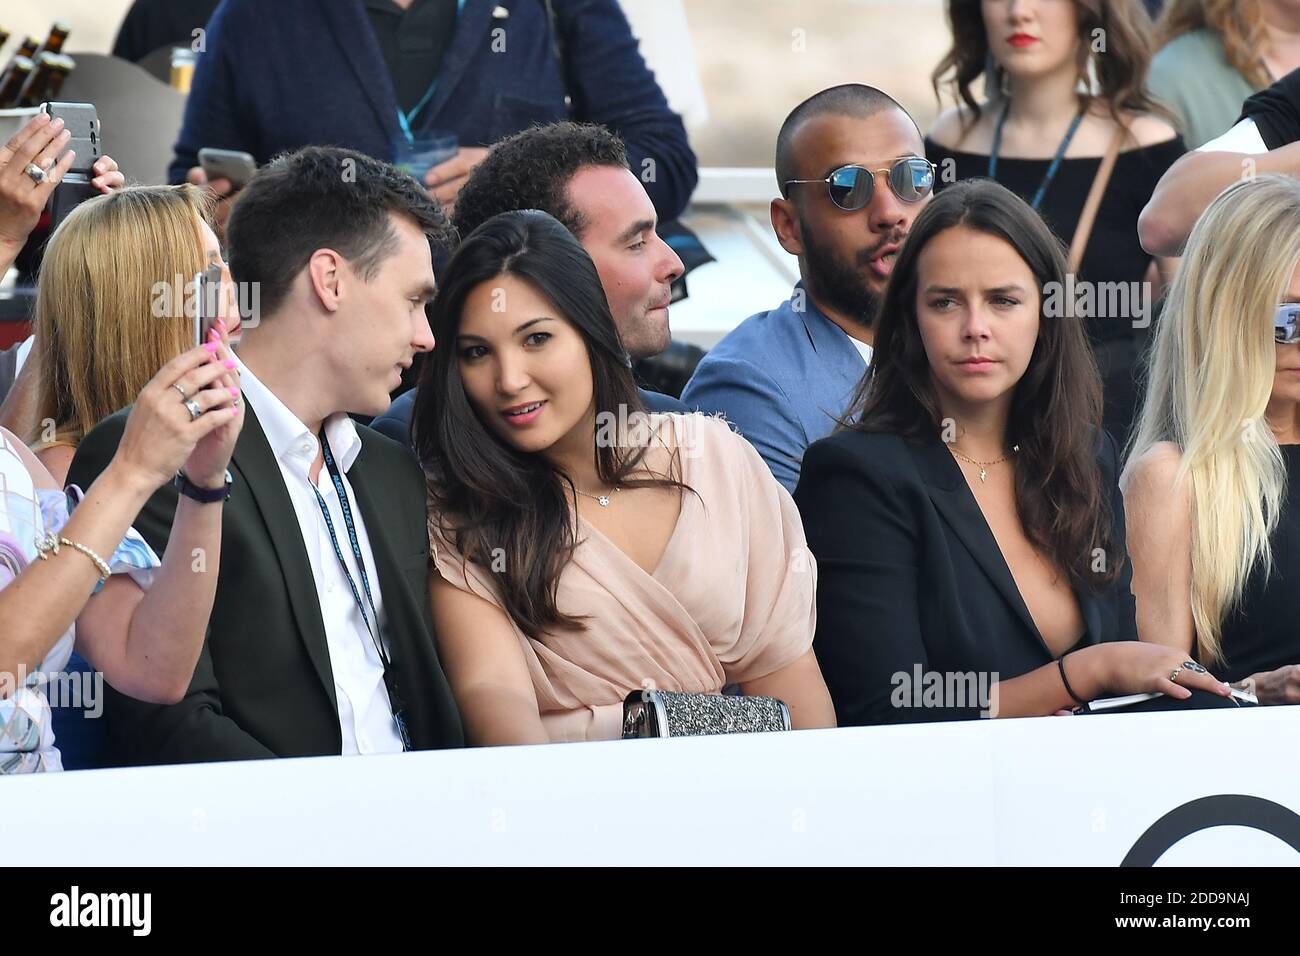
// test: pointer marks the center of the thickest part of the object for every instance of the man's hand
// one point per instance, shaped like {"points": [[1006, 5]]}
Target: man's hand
{"points": [[223, 191], [446, 179]]}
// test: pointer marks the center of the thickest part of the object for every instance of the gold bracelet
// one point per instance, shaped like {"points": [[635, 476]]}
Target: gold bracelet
{"points": [[50, 545]]}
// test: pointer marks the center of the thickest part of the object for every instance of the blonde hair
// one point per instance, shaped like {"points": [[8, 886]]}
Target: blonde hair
{"points": [[104, 324], [1211, 375], [1239, 24]]}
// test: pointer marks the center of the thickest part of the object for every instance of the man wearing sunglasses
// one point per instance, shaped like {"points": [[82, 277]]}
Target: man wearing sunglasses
{"points": [[853, 175]]}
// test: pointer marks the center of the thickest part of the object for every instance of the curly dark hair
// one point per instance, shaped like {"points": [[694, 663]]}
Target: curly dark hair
{"points": [[532, 169], [323, 197]]}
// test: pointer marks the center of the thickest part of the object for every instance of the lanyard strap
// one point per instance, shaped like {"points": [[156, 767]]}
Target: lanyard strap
{"points": [[404, 120], [1056, 160], [346, 507], [390, 679]]}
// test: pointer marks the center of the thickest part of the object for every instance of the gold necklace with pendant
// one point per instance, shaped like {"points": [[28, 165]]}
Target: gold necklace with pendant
{"points": [[984, 465]]}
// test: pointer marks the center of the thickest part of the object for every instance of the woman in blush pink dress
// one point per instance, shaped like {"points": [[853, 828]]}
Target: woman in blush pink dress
{"points": [[583, 549]]}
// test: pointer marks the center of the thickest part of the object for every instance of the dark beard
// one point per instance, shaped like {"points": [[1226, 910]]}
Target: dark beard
{"points": [[838, 284]]}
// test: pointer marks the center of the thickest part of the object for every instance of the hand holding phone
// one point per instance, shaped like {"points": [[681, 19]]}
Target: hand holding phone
{"points": [[230, 164], [40, 143], [81, 121]]}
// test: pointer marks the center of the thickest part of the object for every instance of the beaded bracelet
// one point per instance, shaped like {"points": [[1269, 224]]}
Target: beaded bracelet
{"points": [[50, 545]]}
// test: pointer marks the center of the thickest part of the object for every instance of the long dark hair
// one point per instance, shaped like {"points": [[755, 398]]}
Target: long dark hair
{"points": [[1121, 70], [1056, 406], [488, 497]]}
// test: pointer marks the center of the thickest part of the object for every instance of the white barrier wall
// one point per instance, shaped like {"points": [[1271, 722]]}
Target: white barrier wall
{"points": [[1056, 790]]}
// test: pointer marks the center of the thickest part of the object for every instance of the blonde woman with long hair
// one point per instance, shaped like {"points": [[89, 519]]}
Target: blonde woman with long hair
{"points": [[1212, 484], [112, 307], [1215, 53]]}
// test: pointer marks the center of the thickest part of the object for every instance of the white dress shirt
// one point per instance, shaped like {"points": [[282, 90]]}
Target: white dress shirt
{"points": [[365, 713], [863, 348]]}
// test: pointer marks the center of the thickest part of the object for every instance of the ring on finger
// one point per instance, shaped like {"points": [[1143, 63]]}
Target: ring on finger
{"points": [[193, 408], [185, 396], [1173, 674], [1194, 667], [35, 173]]}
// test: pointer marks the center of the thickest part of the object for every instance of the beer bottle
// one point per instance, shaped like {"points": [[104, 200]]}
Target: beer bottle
{"points": [[27, 49], [12, 82], [58, 36], [64, 65], [36, 89]]}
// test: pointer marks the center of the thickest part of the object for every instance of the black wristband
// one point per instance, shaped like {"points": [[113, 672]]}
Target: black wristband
{"points": [[1060, 664], [206, 496]]}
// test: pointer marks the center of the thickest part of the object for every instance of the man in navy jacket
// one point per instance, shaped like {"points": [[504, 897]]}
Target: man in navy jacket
{"points": [[275, 77]]}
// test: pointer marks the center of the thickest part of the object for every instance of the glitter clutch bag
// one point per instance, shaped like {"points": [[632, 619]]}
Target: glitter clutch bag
{"points": [[662, 713]]}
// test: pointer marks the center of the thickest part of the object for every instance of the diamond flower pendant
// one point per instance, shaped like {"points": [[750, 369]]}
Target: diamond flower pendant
{"points": [[603, 501]]}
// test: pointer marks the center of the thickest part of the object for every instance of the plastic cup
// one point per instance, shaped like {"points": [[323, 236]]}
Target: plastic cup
{"points": [[426, 151]]}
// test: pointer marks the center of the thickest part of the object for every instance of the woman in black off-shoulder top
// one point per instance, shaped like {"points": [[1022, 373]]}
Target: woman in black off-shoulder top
{"points": [[1056, 107]]}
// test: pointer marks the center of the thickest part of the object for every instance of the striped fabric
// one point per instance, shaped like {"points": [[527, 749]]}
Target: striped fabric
{"points": [[26, 514]]}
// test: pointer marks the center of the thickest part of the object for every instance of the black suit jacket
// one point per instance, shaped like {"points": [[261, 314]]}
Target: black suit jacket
{"points": [[263, 685], [909, 574]]}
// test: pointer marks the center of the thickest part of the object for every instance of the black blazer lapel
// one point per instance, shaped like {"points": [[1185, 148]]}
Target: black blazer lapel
{"points": [[407, 625], [1090, 608], [258, 476], [471, 29], [356, 38], [957, 506], [400, 613]]}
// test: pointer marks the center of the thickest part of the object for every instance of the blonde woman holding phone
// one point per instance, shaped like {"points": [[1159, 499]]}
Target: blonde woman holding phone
{"points": [[114, 304]]}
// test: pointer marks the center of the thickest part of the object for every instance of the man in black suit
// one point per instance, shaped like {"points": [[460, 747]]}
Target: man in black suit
{"points": [[321, 637]]}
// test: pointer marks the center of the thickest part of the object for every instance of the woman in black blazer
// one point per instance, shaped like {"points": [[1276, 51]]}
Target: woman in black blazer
{"points": [[967, 524]]}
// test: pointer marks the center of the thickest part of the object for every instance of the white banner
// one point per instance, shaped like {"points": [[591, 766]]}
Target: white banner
{"points": [[1054, 790]]}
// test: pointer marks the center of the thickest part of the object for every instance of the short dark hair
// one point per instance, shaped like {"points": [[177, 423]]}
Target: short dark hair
{"points": [[319, 197], [532, 169], [849, 99]]}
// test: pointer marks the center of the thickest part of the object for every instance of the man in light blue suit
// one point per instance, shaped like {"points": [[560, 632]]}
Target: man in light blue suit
{"points": [[853, 175]]}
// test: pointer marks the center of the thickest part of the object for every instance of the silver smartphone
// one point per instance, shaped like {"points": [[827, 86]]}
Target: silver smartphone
{"points": [[232, 164], [82, 122], [207, 301]]}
